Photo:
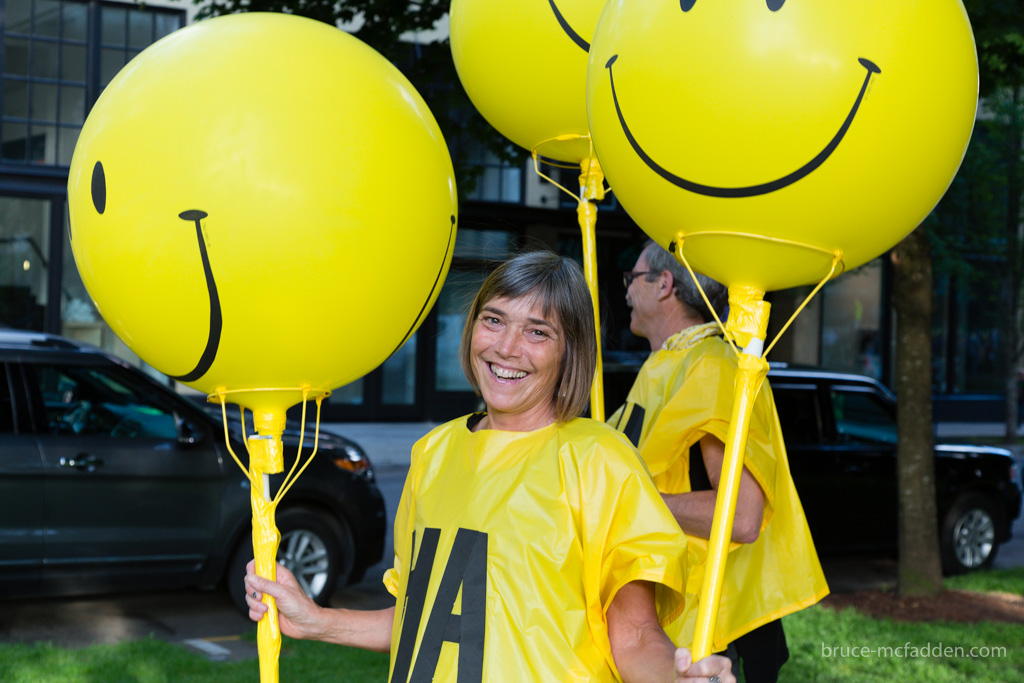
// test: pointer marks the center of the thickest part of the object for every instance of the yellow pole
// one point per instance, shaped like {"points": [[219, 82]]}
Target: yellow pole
{"points": [[748, 323], [266, 457], [591, 190]]}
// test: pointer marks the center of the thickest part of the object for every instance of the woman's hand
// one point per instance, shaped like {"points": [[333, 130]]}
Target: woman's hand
{"points": [[713, 669], [299, 617]]}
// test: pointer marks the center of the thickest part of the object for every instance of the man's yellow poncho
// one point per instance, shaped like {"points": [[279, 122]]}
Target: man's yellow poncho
{"points": [[684, 391], [509, 547]]}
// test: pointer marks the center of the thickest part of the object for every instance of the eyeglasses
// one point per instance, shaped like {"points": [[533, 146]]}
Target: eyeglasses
{"points": [[630, 275]]}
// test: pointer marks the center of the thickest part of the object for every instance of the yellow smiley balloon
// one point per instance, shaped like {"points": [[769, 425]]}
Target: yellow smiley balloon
{"points": [[775, 133], [523, 64], [262, 201]]}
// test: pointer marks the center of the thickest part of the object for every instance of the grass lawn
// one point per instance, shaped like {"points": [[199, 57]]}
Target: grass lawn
{"points": [[821, 644], [847, 646], [155, 661]]}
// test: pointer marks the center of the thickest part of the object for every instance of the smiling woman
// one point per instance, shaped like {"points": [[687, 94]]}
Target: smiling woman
{"points": [[528, 346], [530, 538]]}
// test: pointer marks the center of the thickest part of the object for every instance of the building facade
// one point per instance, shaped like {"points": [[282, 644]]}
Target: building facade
{"points": [[57, 57]]}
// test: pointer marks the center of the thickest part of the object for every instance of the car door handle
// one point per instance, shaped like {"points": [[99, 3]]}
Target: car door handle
{"points": [[82, 462]]}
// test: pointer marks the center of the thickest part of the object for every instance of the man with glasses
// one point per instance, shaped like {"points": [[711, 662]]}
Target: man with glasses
{"points": [[677, 414]]}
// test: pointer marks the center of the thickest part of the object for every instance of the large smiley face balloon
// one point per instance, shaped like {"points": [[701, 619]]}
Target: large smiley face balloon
{"points": [[523, 64], [262, 201], [754, 126]]}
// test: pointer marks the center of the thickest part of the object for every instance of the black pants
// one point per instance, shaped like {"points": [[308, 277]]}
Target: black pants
{"points": [[762, 653]]}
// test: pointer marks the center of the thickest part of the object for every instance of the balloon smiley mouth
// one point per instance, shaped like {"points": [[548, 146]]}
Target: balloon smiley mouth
{"points": [[437, 282], [575, 37], [750, 190], [216, 321]]}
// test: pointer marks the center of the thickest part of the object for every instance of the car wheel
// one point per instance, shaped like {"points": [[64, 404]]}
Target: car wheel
{"points": [[968, 538], [315, 548]]}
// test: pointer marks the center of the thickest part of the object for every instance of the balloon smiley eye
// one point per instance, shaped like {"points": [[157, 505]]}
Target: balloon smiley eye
{"points": [[773, 5], [99, 188]]}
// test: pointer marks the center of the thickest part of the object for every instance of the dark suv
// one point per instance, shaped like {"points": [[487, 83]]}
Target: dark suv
{"points": [[110, 481], [840, 434]]}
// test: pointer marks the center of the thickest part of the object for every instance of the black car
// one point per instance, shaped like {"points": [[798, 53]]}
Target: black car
{"points": [[840, 434], [110, 481]]}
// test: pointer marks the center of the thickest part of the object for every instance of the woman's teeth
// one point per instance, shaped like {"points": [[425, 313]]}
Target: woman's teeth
{"points": [[501, 373]]}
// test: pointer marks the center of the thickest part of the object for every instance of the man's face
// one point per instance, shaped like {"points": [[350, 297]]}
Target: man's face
{"points": [[642, 299]]}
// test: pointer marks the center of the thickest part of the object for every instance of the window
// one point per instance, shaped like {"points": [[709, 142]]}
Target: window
{"points": [[6, 404], [798, 413], [399, 380], [349, 395], [498, 181], [455, 299], [47, 80], [24, 261], [861, 416], [125, 31], [92, 401], [44, 80], [851, 322]]}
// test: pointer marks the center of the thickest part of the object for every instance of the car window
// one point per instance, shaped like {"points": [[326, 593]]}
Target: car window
{"points": [[6, 404], [94, 401], [798, 413], [862, 417]]}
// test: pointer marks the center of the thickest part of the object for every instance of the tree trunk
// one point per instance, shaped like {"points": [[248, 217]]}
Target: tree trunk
{"points": [[1010, 324], [920, 570]]}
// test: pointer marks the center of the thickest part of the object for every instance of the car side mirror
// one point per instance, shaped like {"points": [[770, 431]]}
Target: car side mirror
{"points": [[189, 434]]}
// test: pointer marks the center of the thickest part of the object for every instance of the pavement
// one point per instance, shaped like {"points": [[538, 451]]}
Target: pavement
{"points": [[388, 444]]}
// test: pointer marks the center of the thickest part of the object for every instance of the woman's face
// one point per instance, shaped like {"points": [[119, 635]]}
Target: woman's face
{"points": [[516, 357]]}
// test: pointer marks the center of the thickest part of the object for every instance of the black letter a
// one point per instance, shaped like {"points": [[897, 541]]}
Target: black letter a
{"points": [[466, 567]]}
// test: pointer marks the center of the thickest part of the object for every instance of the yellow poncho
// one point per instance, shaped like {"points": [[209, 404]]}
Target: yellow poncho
{"points": [[684, 391], [531, 535]]}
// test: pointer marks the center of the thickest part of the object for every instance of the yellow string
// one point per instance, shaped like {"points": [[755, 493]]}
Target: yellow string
{"points": [[682, 258], [316, 445], [536, 166], [836, 260], [245, 437], [298, 454], [762, 238], [227, 438], [220, 395]]}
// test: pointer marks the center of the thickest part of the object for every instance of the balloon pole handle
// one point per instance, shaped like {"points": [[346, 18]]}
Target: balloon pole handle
{"points": [[750, 311], [591, 189], [266, 458]]}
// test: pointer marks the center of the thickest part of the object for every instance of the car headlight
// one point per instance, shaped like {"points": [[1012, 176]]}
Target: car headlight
{"points": [[352, 459]]}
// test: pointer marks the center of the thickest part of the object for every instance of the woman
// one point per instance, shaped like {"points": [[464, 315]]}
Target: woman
{"points": [[530, 544]]}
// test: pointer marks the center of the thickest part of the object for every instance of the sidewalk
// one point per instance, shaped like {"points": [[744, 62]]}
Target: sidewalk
{"points": [[388, 443]]}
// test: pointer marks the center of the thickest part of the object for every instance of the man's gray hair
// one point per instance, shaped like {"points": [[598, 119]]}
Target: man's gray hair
{"points": [[658, 260]]}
